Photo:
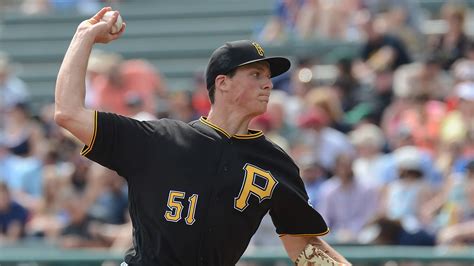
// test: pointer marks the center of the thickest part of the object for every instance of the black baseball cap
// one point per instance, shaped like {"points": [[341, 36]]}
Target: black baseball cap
{"points": [[239, 53]]}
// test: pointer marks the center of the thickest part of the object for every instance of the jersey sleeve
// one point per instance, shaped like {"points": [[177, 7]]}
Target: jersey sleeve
{"points": [[292, 213], [120, 143]]}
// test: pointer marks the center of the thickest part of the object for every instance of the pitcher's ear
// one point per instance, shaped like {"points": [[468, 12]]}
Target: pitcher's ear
{"points": [[222, 82]]}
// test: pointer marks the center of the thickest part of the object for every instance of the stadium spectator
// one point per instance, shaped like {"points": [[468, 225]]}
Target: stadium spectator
{"points": [[346, 204], [32, 7], [320, 140], [181, 106], [391, 232], [136, 107], [200, 97], [413, 13], [327, 99], [113, 79], [23, 177], [21, 134], [12, 89], [313, 176], [9, 5], [332, 20], [463, 68], [351, 92], [381, 51], [458, 125], [13, 217], [453, 204], [300, 85], [85, 7], [423, 118], [369, 141], [282, 25], [396, 21], [453, 43], [49, 218], [425, 76], [77, 232], [118, 237], [142, 78], [405, 196], [277, 112], [457, 234], [105, 83], [99, 65], [109, 204], [266, 124], [380, 56]]}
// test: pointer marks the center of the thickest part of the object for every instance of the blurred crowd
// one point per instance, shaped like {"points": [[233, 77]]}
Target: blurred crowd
{"points": [[384, 142], [341, 19], [38, 7]]}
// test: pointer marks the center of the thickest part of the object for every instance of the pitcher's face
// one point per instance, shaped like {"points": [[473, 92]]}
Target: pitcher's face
{"points": [[250, 88]]}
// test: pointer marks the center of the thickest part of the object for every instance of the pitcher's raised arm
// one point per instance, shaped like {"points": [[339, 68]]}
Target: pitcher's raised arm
{"points": [[70, 111]]}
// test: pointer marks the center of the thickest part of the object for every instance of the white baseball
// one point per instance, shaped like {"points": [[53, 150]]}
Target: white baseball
{"points": [[118, 24]]}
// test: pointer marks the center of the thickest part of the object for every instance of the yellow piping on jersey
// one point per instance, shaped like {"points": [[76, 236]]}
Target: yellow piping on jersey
{"points": [[249, 136], [320, 234], [254, 135], [88, 148], [204, 120]]}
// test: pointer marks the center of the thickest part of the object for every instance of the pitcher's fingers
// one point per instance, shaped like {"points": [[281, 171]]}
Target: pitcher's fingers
{"points": [[92, 21], [97, 17], [112, 21], [117, 35], [122, 29]]}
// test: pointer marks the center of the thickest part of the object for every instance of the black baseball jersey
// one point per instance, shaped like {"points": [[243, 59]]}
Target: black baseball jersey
{"points": [[196, 194]]}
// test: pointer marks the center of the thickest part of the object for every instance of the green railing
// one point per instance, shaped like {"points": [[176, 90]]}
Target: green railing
{"points": [[358, 255]]}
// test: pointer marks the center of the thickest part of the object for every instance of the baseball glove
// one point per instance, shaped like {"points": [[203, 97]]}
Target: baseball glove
{"points": [[313, 256]]}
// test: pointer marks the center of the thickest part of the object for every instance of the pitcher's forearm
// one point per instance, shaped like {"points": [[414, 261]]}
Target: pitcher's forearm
{"points": [[70, 85]]}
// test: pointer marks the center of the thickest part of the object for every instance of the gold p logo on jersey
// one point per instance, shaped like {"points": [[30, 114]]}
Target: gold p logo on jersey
{"points": [[258, 48], [249, 187]]}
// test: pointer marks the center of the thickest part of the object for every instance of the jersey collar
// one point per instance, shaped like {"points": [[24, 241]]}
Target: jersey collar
{"points": [[253, 134]]}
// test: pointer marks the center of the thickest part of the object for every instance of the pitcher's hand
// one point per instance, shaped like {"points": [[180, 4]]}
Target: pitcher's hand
{"points": [[100, 30]]}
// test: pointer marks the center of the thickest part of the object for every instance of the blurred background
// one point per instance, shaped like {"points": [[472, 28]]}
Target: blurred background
{"points": [[377, 111]]}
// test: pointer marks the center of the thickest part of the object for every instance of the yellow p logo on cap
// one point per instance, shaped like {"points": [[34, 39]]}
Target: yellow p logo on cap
{"points": [[258, 48]]}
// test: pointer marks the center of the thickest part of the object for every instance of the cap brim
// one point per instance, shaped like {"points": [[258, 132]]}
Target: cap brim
{"points": [[278, 65]]}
